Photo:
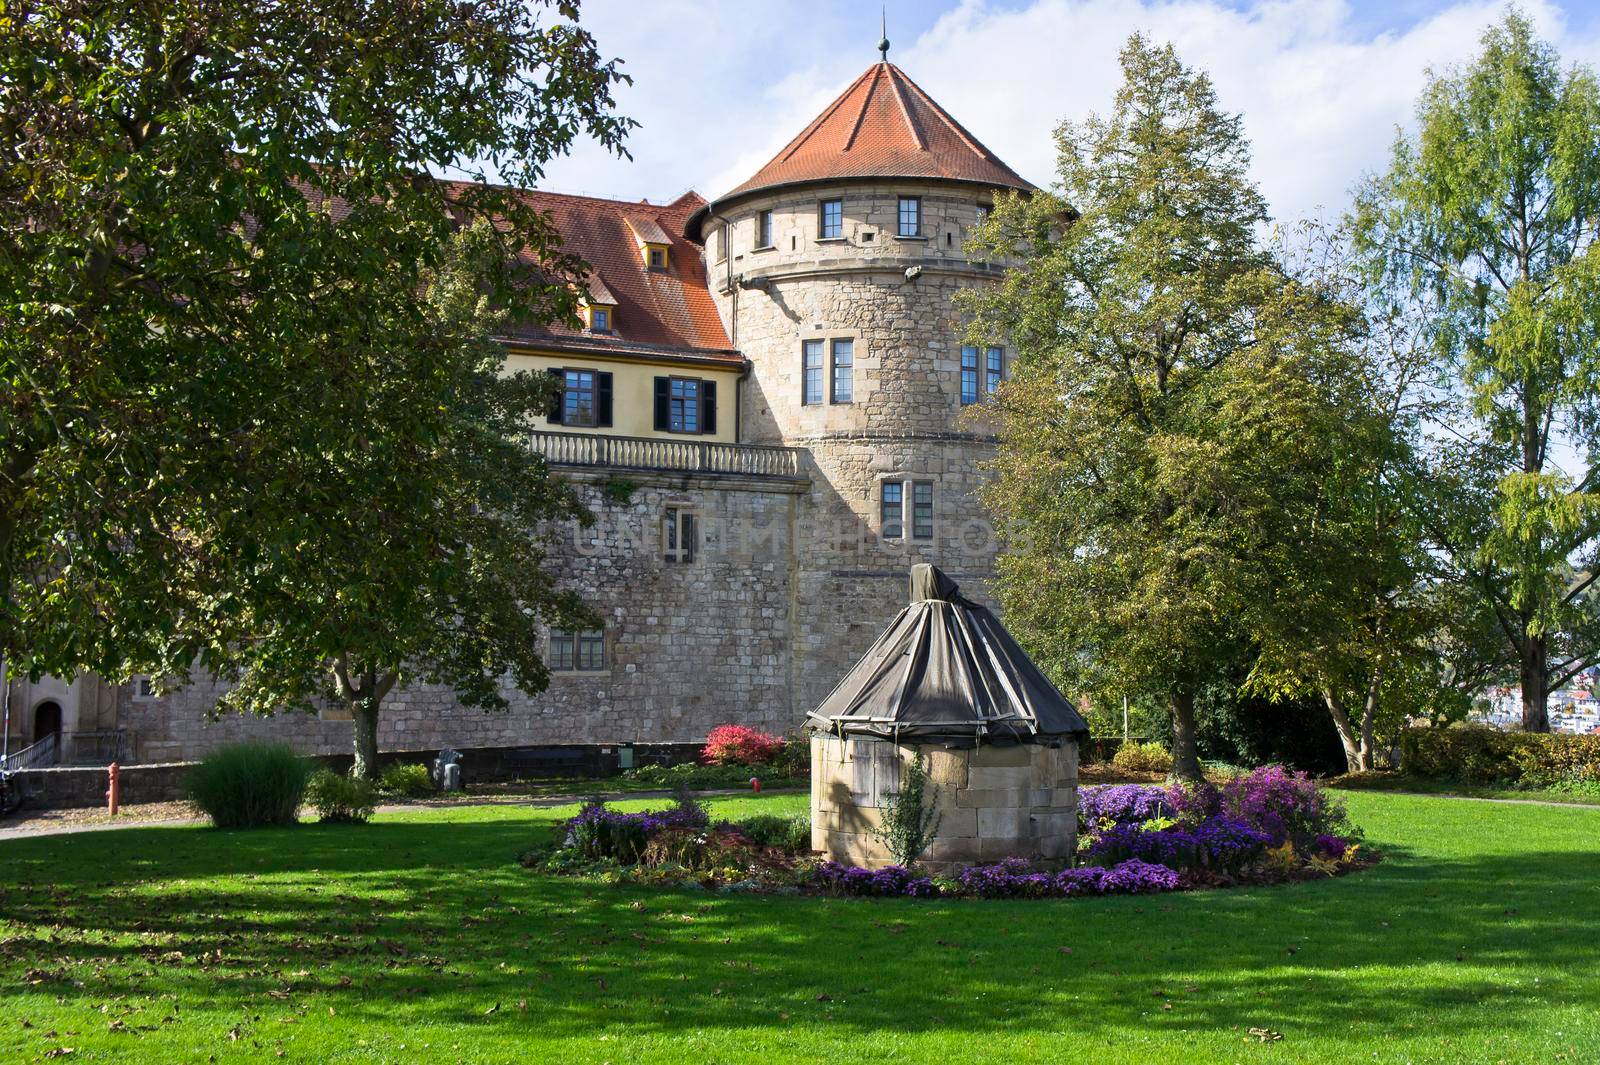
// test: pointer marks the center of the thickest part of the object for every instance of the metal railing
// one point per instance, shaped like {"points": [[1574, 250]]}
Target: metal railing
{"points": [[70, 748], [649, 453], [46, 752]]}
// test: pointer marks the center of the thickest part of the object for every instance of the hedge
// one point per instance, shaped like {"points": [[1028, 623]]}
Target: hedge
{"points": [[1486, 756]]}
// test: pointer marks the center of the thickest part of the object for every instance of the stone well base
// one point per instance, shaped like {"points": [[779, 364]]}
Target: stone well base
{"points": [[993, 802]]}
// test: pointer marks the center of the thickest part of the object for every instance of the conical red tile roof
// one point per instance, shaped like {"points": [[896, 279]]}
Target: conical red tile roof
{"points": [[883, 125]]}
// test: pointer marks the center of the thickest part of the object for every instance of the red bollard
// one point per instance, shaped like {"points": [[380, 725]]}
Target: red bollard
{"points": [[114, 792], [755, 783]]}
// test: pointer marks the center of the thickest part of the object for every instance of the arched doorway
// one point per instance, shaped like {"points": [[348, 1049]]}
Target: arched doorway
{"points": [[46, 720]]}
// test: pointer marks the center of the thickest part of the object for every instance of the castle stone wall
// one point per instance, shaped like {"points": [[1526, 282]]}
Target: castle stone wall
{"points": [[688, 646]]}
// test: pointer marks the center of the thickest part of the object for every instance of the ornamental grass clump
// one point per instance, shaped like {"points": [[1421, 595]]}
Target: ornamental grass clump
{"points": [[246, 785]]}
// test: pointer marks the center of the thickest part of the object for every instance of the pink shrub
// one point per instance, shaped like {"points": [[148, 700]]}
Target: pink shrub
{"points": [[740, 745]]}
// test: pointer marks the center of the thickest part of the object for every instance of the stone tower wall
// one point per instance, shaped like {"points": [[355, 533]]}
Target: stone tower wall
{"points": [[894, 297]]}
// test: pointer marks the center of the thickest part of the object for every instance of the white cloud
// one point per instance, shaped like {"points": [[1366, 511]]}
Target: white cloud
{"points": [[722, 85]]}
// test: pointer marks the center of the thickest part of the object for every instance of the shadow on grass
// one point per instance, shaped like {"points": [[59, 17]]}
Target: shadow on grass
{"points": [[433, 922]]}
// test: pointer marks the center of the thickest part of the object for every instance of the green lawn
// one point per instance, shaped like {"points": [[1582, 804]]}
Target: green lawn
{"points": [[1403, 782], [418, 938]]}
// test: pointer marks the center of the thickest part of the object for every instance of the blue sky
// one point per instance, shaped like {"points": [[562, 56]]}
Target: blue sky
{"points": [[720, 85]]}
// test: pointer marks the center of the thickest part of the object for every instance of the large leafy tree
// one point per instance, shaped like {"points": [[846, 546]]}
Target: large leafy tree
{"points": [[1370, 627], [1176, 403], [413, 553], [1485, 225], [221, 231]]}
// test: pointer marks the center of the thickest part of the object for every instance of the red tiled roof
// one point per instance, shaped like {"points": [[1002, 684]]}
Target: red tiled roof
{"points": [[884, 125], [658, 311]]}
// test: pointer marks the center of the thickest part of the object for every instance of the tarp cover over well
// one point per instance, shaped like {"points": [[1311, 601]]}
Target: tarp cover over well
{"points": [[946, 670]]}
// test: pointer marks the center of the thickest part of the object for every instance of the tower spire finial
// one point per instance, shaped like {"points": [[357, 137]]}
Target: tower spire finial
{"points": [[883, 40]]}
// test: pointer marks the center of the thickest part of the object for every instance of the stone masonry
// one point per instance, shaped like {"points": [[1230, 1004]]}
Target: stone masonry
{"points": [[894, 297], [688, 646], [991, 802]]}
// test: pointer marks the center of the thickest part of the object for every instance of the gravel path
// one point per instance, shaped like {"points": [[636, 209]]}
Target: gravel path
{"points": [[26, 824]]}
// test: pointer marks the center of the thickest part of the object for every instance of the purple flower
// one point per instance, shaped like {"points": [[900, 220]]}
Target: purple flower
{"points": [[1217, 841], [1284, 805], [1122, 803], [599, 832], [1134, 877], [1332, 846], [889, 881]]}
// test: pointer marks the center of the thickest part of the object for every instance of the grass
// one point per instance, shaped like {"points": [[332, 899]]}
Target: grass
{"points": [[1382, 780], [418, 938]]}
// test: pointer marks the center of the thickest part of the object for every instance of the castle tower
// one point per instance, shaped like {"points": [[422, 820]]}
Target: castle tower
{"points": [[834, 269]]}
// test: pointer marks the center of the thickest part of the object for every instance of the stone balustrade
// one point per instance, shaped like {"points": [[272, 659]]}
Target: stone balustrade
{"points": [[654, 453]]}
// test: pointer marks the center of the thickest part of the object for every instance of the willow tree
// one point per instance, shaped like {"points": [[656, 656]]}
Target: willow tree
{"points": [[1168, 428], [1485, 222]]}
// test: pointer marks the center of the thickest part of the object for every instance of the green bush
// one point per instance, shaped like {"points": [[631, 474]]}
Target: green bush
{"points": [[793, 758], [337, 797], [1135, 757], [244, 785], [406, 778], [702, 777], [1488, 756], [791, 834]]}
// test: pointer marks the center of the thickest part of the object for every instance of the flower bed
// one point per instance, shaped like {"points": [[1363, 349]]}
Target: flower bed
{"points": [[1267, 826]]}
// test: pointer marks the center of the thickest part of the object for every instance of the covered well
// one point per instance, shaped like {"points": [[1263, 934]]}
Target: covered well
{"points": [[946, 683]]}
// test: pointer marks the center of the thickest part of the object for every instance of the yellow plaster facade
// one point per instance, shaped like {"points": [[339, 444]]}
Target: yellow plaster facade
{"points": [[633, 391]]}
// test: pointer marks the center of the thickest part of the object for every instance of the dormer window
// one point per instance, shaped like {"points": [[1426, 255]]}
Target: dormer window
{"points": [[653, 242], [599, 317]]}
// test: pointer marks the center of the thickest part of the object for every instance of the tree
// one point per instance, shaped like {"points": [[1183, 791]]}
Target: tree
{"points": [[433, 569], [1175, 400], [1485, 224], [1371, 628], [219, 225]]}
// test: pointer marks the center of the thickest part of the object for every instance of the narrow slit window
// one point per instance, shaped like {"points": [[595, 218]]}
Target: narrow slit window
{"points": [[811, 371], [893, 510], [995, 370], [969, 376], [844, 358], [682, 534], [922, 510]]}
